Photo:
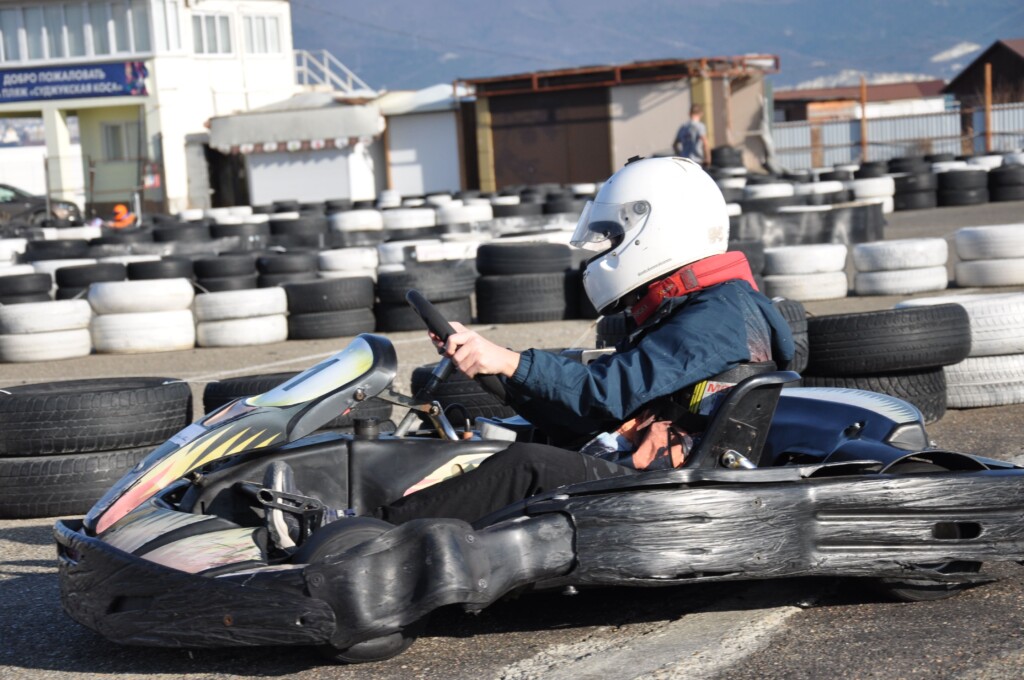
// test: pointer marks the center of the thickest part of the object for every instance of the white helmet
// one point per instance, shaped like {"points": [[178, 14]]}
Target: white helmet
{"points": [[649, 219]]}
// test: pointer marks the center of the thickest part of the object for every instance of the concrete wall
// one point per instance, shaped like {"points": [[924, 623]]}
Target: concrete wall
{"points": [[112, 181], [423, 151], [311, 175], [646, 117]]}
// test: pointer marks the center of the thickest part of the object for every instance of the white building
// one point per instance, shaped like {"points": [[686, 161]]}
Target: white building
{"points": [[140, 75]]}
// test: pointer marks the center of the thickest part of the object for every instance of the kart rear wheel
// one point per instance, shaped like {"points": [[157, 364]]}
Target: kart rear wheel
{"points": [[910, 590], [336, 538]]}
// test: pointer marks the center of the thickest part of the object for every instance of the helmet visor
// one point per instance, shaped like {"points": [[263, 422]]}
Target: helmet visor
{"points": [[603, 226]]}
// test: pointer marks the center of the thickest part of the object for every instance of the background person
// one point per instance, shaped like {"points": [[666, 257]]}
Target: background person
{"points": [[692, 138]]}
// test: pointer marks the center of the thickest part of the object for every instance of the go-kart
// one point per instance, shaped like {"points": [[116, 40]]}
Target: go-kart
{"points": [[248, 527]]}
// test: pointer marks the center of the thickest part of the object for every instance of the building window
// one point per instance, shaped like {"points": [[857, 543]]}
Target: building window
{"points": [[120, 141], [74, 29], [262, 35], [211, 34], [165, 23]]}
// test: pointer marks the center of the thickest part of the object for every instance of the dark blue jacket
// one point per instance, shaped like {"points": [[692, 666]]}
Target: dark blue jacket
{"points": [[687, 340]]}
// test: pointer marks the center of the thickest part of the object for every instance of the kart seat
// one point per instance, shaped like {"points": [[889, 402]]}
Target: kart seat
{"points": [[741, 420]]}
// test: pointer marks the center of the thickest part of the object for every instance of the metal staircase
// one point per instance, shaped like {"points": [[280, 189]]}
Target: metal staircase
{"points": [[316, 69]]}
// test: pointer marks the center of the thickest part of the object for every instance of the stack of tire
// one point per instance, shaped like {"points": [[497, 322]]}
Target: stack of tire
{"points": [[990, 255], [306, 229], [344, 263], [900, 352], [220, 392], [821, 193], [993, 372], [45, 331], [769, 197], [727, 160], [1006, 183], [73, 282], [142, 316], [523, 282], [900, 267], [330, 308], [403, 224], [63, 444], [238, 318], [16, 289], [356, 227], [225, 272], [458, 216], [288, 267], [963, 186], [806, 272], [449, 284], [874, 188]]}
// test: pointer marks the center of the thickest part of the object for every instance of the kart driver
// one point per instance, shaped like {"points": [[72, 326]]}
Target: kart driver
{"points": [[659, 231]]}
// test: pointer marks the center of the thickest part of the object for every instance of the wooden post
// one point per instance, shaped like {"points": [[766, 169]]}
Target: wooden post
{"points": [[863, 119], [988, 107]]}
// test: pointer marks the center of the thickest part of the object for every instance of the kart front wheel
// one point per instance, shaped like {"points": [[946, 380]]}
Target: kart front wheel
{"points": [[334, 539], [910, 590]]}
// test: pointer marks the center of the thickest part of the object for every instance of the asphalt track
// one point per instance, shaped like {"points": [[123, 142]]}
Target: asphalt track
{"points": [[802, 628]]}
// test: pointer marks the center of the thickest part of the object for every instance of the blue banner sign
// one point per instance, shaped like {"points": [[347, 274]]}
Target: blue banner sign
{"points": [[122, 79]]}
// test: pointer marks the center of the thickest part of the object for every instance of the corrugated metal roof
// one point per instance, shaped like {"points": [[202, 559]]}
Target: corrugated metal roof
{"points": [[876, 93]]}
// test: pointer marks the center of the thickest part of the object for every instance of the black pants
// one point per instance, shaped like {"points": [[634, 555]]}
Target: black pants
{"points": [[518, 472]]}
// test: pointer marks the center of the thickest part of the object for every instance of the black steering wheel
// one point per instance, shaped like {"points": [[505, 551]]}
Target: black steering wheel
{"points": [[439, 326]]}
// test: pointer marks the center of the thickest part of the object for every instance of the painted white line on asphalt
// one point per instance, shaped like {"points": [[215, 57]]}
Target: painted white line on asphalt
{"points": [[699, 645]]}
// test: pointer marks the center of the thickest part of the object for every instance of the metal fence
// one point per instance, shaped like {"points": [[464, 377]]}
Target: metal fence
{"points": [[816, 144]]}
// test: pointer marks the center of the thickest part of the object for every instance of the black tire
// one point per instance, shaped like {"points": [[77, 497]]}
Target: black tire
{"points": [[726, 157], [523, 298], [915, 200], [838, 175], [52, 486], [871, 169], [24, 299], [116, 236], [222, 283], [962, 180], [754, 250], [82, 275], [286, 263], [925, 389], [1006, 193], [25, 284], [612, 329], [307, 225], [869, 343], [401, 317], [497, 259], [939, 157], [285, 206], [464, 391], [770, 205], [795, 314], [330, 295], [167, 268], [192, 233], [921, 181], [56, 249], [224, 266], [906, 590], [1006, 176], [70, 293], [951, 197], [517, 209], [245, 231], [440, 281], [271, 280], [910, 164], [317, 325], [104, 414]]}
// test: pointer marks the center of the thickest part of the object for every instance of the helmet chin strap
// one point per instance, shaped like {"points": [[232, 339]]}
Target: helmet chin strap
{"points": [[693, 277]]}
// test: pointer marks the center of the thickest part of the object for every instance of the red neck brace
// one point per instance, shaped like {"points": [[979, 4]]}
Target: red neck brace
{"points": [[693, 277]]}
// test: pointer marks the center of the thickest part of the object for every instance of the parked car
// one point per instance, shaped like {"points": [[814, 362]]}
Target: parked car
{"points": [[16, 204]]}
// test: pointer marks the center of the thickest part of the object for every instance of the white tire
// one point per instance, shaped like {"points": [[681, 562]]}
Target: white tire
{"points": [[989, 243], [356, 220], [805, 259], [946, 166], [441, 199], [985, 381], [804, 208], [409, 218], [1015, 158], [446, 250], [872, 187], [583, 188], [901, 281], [10, 248], [191, 214], [45, 346], [807, 287], [147, 295], [733, 209], [143, 332], [16, 269], [731, 182], [257, 330], [997, 321], [463, 214], [348, 273], [987, 162], [817, 188], [908, 253], [50, 266], [413, 202], [240, 304], [476, 201], [340, 259], [45, 317], [240, 210], [982, 273], [505, 200], [128, 259], [389, 198], [848, 167], [775, 190]]}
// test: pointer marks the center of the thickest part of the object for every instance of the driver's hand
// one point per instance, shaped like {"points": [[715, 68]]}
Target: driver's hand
{"points": [[475, 355]]}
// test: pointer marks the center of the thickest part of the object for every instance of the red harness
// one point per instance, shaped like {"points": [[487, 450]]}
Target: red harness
{"points": [[693, 277]]}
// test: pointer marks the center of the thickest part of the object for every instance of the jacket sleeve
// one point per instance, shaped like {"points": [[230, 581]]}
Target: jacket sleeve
{"points": [[707, 337]]}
